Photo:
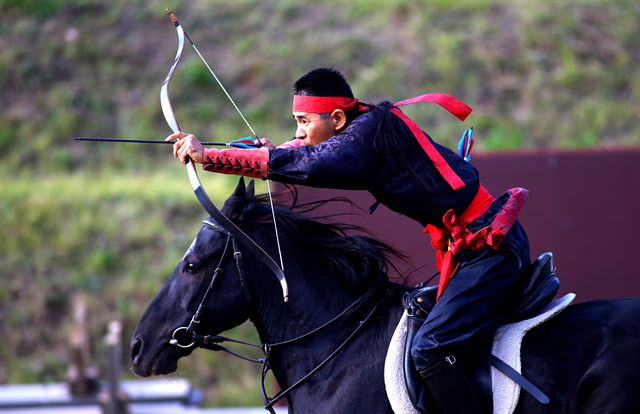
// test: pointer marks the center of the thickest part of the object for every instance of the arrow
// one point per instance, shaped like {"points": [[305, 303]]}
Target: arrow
{"points": [[244, 142]]}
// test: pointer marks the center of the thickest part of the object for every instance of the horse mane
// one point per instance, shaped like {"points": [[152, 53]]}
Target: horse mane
{"points": [[349, 250]]}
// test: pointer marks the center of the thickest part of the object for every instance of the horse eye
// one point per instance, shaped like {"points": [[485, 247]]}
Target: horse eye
{"points": [[191, 267]]}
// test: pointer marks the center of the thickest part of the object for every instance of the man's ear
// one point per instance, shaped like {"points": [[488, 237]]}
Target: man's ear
{"points": [[338, 120]]}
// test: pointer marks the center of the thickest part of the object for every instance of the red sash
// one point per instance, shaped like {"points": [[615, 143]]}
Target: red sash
{"points": [[455, 236]]}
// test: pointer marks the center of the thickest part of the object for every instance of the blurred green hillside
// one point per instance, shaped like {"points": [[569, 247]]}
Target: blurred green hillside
{"points": [[111, 221]]}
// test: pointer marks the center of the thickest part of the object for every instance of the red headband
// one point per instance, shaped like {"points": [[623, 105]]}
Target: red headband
{"points": [[322, 104]]}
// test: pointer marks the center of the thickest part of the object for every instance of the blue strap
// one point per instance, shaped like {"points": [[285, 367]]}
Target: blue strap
{"points": [[527, 385]]}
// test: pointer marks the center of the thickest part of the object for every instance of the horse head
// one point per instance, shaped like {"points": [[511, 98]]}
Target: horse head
{"points": [[209, 256]]}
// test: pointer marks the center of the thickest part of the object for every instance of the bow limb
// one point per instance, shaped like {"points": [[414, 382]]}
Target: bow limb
{"points": [[257, 140], [196, 184]]}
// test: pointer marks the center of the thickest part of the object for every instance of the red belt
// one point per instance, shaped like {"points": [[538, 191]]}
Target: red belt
{"points": [[455, 236]]}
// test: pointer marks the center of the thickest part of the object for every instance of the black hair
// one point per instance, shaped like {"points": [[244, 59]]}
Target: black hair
{"points": [[326, 82], [322, 82]]}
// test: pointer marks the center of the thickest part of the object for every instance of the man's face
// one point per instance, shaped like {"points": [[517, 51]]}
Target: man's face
{"points": [[313, 128]]}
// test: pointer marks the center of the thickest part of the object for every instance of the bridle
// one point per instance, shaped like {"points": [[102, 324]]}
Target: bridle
{"points": [[195, 319], [213, 342]]}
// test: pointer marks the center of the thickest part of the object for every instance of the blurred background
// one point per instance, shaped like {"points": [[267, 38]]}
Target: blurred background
{"points": [[107, 223]]}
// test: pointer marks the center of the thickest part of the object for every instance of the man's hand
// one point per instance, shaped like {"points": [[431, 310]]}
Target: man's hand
{"points": [[266, 143], [186, 145], [293, 143]]}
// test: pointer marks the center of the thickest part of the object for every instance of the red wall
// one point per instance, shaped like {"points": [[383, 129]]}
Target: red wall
{"points": [[582, 206]]}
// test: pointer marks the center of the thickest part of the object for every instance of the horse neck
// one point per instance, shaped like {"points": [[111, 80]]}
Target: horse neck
{"points": [[312, 303]]}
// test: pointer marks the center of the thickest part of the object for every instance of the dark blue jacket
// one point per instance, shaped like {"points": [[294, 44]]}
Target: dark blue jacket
{"points": [[377, 152]]}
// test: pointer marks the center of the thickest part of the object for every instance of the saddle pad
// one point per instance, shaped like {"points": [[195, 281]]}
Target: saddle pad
{"points": [[394, 371], [506, 346], [507, 343]]}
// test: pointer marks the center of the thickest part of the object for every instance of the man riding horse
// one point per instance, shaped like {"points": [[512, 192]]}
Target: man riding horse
{"points": [[482, 250]]}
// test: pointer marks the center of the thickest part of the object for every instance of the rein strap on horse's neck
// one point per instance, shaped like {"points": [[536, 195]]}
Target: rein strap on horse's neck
{"points": [[346, 312], [270, 402]]}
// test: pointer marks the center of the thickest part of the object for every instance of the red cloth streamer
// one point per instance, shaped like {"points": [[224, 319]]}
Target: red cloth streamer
{"points": [[452, 104], [438, 160]]}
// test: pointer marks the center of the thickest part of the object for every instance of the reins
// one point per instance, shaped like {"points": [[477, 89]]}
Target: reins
{"points": [[270, 402], [213, 342]]}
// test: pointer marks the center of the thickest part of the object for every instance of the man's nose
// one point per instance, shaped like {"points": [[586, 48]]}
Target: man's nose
{"points": [[301, 133]]}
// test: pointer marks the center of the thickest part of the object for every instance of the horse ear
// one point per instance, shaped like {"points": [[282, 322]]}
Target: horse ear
{"points": [[234, 205], [251, 190], [240, 190]]}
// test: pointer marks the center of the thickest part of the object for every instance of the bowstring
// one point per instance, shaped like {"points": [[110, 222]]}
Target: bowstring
{"points": [[273, 212]]}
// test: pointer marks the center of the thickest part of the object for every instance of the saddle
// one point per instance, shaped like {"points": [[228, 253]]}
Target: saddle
{"points": [[541, 287]]}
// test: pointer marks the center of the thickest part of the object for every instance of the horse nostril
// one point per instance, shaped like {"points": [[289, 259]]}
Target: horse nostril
{"points": [[136, 349]]}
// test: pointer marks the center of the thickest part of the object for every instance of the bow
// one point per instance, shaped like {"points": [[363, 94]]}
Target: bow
{"points": [[197, 186]]}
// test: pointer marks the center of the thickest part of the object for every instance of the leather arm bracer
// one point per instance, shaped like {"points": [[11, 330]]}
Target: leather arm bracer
{"points": [[246, 162]]}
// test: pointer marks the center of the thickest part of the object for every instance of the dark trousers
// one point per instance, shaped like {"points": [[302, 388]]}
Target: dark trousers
{"points": [[479, 298]]}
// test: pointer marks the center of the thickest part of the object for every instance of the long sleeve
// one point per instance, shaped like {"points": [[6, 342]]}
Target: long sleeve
{"points": [[347, 160]]}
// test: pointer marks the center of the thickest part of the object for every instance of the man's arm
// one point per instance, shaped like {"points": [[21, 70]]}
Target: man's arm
{"points": [[345, 161], [188, 145], [348, 160]]}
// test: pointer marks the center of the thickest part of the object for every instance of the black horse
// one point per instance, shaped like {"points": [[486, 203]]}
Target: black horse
{"points": [[587, 359]]}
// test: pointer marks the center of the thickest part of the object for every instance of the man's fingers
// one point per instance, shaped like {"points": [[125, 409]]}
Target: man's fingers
{"points": [[265, 142], [175, 136], [176, 148], [184, 153]]}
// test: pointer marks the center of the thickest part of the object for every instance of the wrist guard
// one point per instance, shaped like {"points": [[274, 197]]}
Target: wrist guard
{"points": [[246, 162]]}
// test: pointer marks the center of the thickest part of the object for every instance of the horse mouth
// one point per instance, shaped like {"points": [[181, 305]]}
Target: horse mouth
{"points": [[145, 363], [154, 369]]}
